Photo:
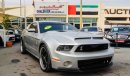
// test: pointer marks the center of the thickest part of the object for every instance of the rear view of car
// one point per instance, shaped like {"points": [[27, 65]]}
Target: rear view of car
{"points": [[92, 30], [119, 34], [11, 35], [16, 34]]}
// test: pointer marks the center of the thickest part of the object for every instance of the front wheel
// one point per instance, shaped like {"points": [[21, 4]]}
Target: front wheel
{"points": [[23, 48], [44, 60]]}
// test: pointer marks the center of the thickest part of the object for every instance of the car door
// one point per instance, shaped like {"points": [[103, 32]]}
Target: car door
{"points": [[29, 38], [35, 39]]}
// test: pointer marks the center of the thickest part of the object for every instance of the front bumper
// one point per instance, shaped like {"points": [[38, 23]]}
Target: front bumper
{"points": [[83, 61], [113, 41]]}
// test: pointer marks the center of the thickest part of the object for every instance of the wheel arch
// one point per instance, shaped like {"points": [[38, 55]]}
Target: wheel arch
{"points": [[43, 43]]}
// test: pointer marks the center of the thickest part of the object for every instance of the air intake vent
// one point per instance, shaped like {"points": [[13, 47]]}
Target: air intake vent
{"points": [[83, 38], [92, 48], [97, 37]]}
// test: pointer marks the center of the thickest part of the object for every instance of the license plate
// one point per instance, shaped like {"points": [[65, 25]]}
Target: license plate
{"points": [[120, 41]]}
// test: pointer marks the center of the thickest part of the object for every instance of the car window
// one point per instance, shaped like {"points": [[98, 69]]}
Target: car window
{"points": [[84, 29], [46, 26], [92, 29], [10, 32], [1, 27], [121, 29], [33, 26]]}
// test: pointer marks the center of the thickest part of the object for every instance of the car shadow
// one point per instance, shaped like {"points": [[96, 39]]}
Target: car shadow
{"points": [[120, 45]]}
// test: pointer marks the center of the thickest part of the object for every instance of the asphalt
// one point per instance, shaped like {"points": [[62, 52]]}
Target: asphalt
{"points": [[13, 63]]}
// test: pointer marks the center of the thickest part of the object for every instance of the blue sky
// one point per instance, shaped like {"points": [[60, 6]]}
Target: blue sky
{"points": [[106, 2]]}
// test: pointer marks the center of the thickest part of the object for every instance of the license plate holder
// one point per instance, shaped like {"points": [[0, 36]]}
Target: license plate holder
{"points": [[120, 41]]}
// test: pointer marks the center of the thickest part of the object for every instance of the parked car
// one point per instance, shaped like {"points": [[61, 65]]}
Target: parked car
{"points": [[11, 35], [1, 36], [60, 46], [17, 34], [106, 31], [93, 30], [119, 34]]}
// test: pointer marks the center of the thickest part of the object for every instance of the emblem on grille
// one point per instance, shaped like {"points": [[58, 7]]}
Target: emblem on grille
{"points": [[81, 48]]}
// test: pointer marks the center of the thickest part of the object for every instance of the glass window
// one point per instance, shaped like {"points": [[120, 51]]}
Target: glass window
{"points": [[121, 29], [93, 29], [90, 29], [77, 26], [1, 27], [46, 26]]}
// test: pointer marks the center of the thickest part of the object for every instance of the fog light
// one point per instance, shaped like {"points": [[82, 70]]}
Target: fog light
{"points": [[67, 64]]}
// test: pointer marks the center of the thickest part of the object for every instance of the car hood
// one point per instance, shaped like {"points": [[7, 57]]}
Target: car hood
{"points": [[72, 36]]}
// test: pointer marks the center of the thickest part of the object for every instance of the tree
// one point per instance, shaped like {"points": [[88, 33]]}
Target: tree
{"points": [[6, 22]]}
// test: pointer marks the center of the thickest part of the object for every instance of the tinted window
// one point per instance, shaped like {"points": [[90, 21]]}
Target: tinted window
{"points": [[47, 26], [121, 29], [90, 29]]}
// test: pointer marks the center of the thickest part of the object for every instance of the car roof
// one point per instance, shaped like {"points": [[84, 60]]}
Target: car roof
{"points": [[52, 22], [120, 26]]}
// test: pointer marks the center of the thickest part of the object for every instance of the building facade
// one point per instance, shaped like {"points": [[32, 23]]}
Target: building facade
{"points": [[92, 15]]}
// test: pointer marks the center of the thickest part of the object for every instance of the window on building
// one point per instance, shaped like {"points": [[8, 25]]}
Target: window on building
{"points": [[117, 18], [77, 26], [86, 25], [87, 13], [94, 24]]}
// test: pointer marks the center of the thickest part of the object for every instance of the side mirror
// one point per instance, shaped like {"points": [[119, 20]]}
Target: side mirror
{"points": [[31, 30]]}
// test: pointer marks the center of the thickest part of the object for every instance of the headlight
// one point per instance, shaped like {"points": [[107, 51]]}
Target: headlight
{"points": [[64, 47], [109, 37]]}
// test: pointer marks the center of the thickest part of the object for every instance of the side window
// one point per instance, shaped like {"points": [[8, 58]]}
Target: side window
{"points": [[33, 27]]}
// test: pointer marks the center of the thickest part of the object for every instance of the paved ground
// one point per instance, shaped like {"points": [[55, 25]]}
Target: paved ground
{"points": [[13, 63]]}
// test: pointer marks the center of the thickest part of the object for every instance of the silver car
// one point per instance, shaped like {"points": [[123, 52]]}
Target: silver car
{"points": [[60, 46]]}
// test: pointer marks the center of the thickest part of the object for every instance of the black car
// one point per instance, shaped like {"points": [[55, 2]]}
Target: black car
{"points": [[119, 34], [16, 33]]}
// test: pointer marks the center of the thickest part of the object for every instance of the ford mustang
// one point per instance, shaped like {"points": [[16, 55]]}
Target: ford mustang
{"points": [[61, 46]]}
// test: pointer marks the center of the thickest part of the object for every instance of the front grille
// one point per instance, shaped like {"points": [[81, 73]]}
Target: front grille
{"points": [[94, 63], [92, 47]]}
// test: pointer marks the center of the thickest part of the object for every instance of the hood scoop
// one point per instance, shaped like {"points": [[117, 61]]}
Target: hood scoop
{"points": [[88, 38], [82, 38]]}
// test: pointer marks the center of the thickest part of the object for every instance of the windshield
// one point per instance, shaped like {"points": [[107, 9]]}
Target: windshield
{"points": [[121, 29], [1, 27], [49, 26], [90, 29]]}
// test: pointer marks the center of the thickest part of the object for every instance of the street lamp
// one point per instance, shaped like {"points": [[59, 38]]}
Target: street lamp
{"points": [[81, 20]]}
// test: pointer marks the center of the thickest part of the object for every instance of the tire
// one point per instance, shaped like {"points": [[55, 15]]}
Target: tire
{"points": [[1, 42], [23, 48], [45, 60]]}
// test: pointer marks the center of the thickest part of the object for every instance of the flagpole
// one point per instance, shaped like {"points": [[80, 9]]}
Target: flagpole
{"points": [[25, 18], [34, 16], [67, 17], [81, 20]]}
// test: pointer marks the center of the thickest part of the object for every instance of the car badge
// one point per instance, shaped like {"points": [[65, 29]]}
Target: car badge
{"points": [[81, 48]]}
